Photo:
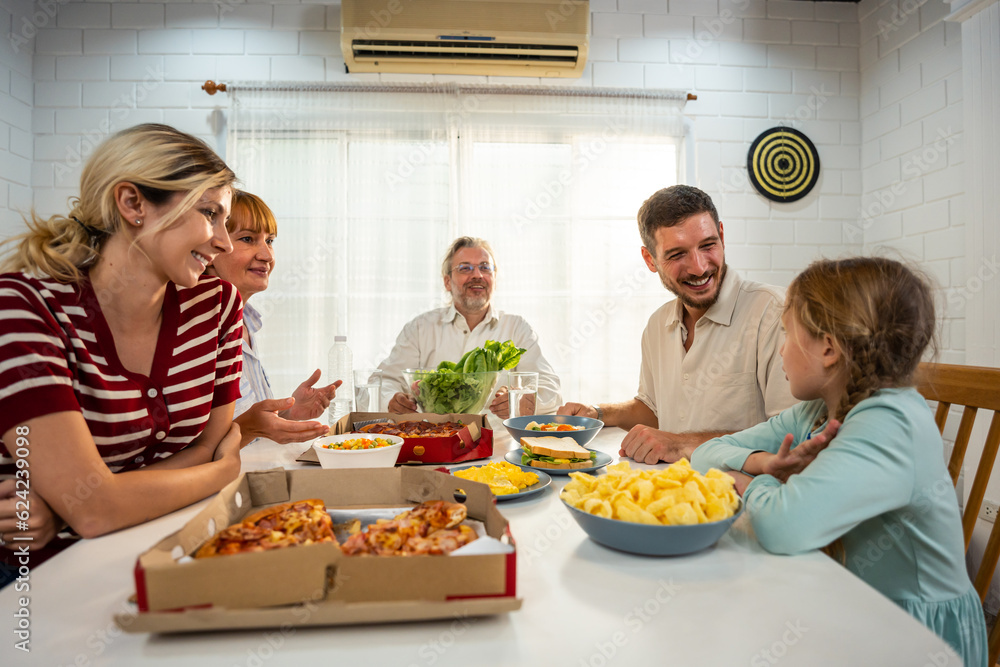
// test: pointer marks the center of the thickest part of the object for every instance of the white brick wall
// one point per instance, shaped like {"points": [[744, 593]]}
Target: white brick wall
{"points": [[18, 32], [911, 132], [754, 64]]}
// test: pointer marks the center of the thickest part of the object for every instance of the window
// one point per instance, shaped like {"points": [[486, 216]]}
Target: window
{"points": [[369, 192]]}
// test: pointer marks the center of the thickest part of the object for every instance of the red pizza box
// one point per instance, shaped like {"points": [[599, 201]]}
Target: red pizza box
{"points": [[475, 441]]}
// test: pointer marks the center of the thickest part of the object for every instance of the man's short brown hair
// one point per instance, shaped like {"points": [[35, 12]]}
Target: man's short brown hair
{"points": [[670, 207]]}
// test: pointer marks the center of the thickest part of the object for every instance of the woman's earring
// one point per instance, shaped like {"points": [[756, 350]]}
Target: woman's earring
{"points": [[138, 222]]}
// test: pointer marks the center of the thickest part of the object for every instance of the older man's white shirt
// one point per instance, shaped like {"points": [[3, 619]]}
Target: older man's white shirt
{"points": [[443, 334]]}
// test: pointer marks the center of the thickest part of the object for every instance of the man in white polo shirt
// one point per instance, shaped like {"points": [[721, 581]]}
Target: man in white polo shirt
{"points": [[710, 358], [445, 334]]}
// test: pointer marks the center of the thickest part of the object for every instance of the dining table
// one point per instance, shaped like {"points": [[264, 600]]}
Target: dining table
{"points": [[583, 604]]}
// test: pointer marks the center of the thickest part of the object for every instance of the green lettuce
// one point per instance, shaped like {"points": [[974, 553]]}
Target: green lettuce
{"points": [[449, 389]]}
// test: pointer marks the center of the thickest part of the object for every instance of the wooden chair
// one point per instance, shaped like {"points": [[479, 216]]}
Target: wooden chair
{"points": [[974, 388]]}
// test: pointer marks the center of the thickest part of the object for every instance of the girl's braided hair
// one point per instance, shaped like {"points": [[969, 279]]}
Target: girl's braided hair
{"points": [[879, 312]]}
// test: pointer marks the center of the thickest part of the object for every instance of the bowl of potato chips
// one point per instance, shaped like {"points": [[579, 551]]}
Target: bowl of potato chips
{"points": [[666, 512]]}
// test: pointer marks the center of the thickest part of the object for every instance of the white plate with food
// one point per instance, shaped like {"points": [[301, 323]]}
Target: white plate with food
{"points": [[556, 455]]}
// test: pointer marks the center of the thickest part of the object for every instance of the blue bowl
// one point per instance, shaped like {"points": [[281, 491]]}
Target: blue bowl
{"points": [[648, 540], [591, 427]]}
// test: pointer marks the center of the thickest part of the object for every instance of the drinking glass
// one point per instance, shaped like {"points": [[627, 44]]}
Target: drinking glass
{"points": [[367, 389], [522, 392]]}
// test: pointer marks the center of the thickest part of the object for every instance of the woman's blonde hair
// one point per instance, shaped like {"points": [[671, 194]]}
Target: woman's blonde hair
{"points": [[879, 312], [252, 214], [158, 159]]}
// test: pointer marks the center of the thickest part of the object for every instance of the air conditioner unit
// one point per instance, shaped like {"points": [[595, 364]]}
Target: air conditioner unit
{"points": [[485, 37]]}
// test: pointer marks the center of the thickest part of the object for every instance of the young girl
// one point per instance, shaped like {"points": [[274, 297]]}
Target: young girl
{"points": [[873, 482], [120, 362]]}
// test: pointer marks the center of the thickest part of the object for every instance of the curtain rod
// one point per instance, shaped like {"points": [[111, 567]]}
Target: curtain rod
{"points": [[211, 87]]}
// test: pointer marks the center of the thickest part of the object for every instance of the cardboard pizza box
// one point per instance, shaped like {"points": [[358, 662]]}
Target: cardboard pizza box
{"points": [[475, 441], [265, 589]]}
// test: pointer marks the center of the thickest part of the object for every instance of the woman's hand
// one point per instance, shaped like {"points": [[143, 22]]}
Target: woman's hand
{"points": [[788, 461], [42, 523], [264, 420], [228, 448], [310, 402]]}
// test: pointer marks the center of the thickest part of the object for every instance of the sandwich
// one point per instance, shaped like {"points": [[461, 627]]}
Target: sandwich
{"points": [[554, 452]]}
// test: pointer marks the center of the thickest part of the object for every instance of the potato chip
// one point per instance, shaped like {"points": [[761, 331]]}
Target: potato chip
{"points": [[588, 482], [629, 511], [679, 471], [571, 497], [590, 503], [715, 509], [642, 491], [658, 507], [681, 514], [693, 494], [604, 510], [664, 482]]}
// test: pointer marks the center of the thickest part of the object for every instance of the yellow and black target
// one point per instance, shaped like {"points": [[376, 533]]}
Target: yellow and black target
{"points": [[783, 164]]}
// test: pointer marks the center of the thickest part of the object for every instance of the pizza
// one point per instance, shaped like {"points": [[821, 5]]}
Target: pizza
{"points": [[431, 528], [415, 429], [285, 525]]}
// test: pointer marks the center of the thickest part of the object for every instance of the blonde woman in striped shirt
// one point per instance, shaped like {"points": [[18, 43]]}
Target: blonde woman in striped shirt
{"points": [[119, 360]]}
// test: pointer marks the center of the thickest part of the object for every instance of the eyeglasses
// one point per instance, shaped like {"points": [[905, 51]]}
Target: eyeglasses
{"points": [[466, 269]]}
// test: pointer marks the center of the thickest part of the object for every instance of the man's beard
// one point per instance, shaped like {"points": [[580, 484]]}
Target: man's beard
{"points": [[703, 303], [472, 303]]}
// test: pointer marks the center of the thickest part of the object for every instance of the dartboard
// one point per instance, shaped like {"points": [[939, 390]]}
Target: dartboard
{"points": [[783, 164]]}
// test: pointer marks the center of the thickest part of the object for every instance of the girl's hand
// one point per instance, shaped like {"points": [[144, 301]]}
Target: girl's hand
{"points": [[742, 481], [788, 461], [42, 523], [310, 402]]}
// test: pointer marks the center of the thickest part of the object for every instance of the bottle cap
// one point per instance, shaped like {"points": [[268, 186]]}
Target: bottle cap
{"points": [[340, 339]]}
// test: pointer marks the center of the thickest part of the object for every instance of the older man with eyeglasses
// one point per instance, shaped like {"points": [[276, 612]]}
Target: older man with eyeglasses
{"points": [[469, 273]]}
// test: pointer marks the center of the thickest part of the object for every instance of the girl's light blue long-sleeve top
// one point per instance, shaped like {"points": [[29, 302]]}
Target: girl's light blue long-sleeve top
{"points": [[882, 487]]}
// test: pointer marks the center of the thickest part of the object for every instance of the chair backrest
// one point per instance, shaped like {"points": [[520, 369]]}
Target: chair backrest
{"points": [[975, 388]]}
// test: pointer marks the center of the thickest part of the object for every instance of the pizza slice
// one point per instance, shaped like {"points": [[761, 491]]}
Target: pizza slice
{"points": [[414, 429], [432, 527], [276, 527]]}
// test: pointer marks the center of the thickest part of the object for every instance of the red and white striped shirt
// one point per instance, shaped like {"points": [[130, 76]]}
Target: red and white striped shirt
{"points": [[57, 354]]}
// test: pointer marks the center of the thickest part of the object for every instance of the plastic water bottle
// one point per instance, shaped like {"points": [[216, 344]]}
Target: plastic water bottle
{"points": [[341, 368]]}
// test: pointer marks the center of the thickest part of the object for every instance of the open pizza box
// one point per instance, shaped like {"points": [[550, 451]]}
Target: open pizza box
{"points": [[317, 584], [475, 441]]}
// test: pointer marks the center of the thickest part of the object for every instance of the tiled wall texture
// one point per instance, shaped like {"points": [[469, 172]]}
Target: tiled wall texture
{"points": [[872, 84], [911, 147], [16, 99]]}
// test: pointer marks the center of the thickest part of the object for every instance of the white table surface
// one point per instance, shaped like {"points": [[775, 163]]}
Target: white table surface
{"points": [[583, 606]]}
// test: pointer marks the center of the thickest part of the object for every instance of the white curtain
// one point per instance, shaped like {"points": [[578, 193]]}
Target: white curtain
{"points": [[370, 185]]}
